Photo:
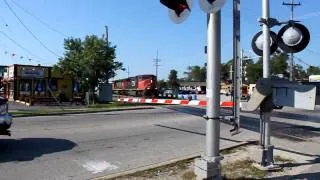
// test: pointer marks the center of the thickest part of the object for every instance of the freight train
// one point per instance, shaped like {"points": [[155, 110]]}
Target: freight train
{"points": [[142, 85]]}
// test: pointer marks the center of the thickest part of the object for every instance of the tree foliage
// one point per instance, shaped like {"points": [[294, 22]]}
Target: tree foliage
{"points": [[173, 79], [313, 70], [91, 61], [196, 73]]}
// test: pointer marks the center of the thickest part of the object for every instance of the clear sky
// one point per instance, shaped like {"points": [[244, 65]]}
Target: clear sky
{"points": [[138, 28]]}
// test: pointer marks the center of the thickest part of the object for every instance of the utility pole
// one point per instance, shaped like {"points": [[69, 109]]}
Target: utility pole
{"points": [[128, 71], [156, 63], [107, 34], [292, 5], [236, 81]]}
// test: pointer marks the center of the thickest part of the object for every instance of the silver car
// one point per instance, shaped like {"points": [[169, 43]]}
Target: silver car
{"points": [[5, 117]]}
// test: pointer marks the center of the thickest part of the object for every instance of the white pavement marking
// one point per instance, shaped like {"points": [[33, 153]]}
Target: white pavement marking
{"points": [[99, 166]]}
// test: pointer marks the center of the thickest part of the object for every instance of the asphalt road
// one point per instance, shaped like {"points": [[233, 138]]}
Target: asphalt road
{"points": [[85, 146], [291, 124], [90, 145]]}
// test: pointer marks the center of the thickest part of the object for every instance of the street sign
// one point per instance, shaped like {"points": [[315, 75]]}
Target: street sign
{"points": [[293, 38], [211, 6], [179, 10], [257, 43]]}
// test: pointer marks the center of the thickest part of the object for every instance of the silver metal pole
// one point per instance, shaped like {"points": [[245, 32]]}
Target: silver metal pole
{"points": [[267, 157], [266, 39], [236, 62], [213, 85]]}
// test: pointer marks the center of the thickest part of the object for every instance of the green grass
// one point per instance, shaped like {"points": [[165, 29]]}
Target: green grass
{"points": [[171, 169], [114, 105], [278, 158], [242, 169], [91, 108]]}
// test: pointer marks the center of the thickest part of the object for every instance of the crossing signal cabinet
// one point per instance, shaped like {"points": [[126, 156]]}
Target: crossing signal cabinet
{"points": [[283, 93]]}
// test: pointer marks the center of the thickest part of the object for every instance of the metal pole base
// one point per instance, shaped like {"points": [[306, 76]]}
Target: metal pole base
{"points": [[266, 160], [208, 168]]}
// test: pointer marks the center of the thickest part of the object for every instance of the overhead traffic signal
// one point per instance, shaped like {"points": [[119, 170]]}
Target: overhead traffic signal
{"points": [[179, 10], [293, 38], [211, 6]]}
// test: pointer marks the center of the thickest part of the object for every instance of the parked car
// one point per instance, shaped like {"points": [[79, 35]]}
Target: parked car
{"points": [[187, 94], [5, 117]]}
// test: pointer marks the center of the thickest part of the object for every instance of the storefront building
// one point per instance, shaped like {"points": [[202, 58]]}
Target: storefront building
{"points": [[26, 81]]}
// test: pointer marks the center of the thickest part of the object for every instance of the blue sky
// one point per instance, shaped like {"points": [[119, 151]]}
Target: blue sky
{"points": [[139, 28]]}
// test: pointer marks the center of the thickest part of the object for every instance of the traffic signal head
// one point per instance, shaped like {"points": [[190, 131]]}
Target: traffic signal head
{"points": [[179, 10], [293, 38], [211, 6], [257, 43]]}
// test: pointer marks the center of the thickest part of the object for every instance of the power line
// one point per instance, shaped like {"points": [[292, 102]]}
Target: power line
{"points": [[16, 43], [302, 61], [33, 35], [314, 52], [38, 19]]}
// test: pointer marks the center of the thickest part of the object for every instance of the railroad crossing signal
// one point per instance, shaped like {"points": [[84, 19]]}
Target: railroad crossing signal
{"points": [[211, 6], [179, 10], [257, 43], [293, 38]]}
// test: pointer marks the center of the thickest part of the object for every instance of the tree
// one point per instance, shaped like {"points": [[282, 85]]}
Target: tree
{"points": [[193, 73], [313, 70], [173, 79], [91, 61], [162, 84], [254, 71], [279, 64], [225, 70], [300, 73]]}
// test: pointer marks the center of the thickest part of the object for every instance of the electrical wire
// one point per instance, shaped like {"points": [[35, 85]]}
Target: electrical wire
{"points": [[23, 48], [303, 62], [33, 35], [314, 52], [38, 19]]}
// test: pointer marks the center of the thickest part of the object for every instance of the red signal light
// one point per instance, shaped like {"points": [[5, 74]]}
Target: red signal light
{"points": [[176, 5]]}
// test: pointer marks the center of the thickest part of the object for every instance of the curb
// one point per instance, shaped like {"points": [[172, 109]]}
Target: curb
{"points": [[171, 161], [81, 112]]}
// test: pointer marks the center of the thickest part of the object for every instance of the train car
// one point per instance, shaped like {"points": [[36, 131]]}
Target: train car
{"points": [[142, 85]]}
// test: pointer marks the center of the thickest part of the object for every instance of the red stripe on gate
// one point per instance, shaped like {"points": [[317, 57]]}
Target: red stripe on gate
{"points": [[184, 102], [203, 103], [130, 100], [154, 100], [142, 100], [227, 104], [168, 101]]}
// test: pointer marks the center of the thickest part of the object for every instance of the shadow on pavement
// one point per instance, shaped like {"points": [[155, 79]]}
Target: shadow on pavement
{"points": [[193, 132], [27, 149], [309, 176]]}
